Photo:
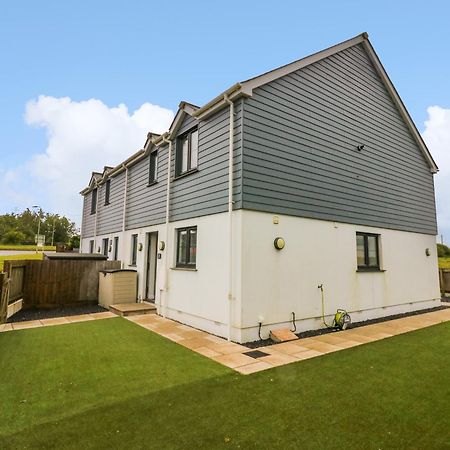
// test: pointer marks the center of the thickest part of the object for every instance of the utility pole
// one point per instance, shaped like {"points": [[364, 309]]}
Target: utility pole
{"points": [[53, 232], [36, 208]]}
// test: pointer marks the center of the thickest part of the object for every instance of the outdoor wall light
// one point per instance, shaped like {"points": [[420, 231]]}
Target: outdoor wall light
{"points": [[279, 243], [427, 252], [140, 246], [360, 147], [162, 245]]}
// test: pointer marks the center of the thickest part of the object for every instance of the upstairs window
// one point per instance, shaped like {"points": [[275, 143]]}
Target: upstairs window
{"points": [[187, 247], [187, 152], [367, 251], [107, 191], [94, 201], [153, 168], [134, 244]]}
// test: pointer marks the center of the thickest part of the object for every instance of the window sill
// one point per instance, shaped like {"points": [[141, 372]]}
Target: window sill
{"points": [[370, 270], [185, 174], [152, 183], [188, 269]]}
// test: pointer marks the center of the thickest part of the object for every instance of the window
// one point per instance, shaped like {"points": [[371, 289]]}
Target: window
{"points": [[91, 246], [367, 251], [187, 247], [107, 191], [116, 248], [94, 201], [134, 243], [187, 152], [153, 169], [105, 243]]}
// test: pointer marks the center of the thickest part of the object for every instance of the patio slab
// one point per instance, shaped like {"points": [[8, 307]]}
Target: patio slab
{"points": [[232, 355]]}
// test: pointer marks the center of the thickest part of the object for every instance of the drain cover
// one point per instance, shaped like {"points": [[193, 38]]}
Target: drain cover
{"points": [[256, 354]]}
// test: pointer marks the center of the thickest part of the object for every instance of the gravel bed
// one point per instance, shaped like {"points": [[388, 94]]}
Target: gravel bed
{"points": [[37, 314], [311, 333]]}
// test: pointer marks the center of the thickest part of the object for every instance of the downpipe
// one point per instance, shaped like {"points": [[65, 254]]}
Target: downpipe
{"points": [[230, 216], [165, 297]]}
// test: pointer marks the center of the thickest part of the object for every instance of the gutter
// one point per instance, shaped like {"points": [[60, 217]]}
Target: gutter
{"points": [[230, 214]]}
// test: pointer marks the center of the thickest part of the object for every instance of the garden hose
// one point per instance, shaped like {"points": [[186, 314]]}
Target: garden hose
{"points": [[293, 322], [323, 308]]}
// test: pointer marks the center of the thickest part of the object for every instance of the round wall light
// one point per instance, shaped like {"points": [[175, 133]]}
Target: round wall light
{"points": [[140, 246], [427, 252], [162, 245], [279, 243]]}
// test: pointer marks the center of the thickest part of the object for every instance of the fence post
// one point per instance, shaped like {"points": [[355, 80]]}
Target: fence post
{"points": [[442, 282], [3, 297]]}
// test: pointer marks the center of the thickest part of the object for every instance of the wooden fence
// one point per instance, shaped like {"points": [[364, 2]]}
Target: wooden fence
{"points": [[444, 278], [53, 283]]}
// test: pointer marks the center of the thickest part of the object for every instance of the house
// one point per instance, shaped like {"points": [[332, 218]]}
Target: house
{"points": [[306, 180]]}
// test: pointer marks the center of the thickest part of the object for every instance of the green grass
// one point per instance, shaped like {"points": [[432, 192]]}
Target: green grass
{"points": [[16, 257], [46, 248], [444, 262], [113, 384]]}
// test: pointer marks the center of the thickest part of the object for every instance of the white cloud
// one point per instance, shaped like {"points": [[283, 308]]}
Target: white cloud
{"points": [[82, 137], [437, 138]]}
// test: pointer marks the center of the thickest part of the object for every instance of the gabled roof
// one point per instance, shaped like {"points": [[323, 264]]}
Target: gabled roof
{"points": [[245, 89]]}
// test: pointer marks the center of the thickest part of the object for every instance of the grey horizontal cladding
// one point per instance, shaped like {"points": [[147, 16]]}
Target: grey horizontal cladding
{"points": [[146, 204], [88, 220], [299, 157], [110, 216], [206, 190]]}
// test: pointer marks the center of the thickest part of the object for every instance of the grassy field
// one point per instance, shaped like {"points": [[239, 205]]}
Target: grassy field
{"points": [[46, 248], [444, 263], [113, 384], [15, 257]]}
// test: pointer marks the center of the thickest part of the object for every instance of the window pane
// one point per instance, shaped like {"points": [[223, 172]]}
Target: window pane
{"points": [[193, 246], [153, 160], [372, 246], [134, 249], [360, 250], [194, 149], [184, 155], [182, 247]]}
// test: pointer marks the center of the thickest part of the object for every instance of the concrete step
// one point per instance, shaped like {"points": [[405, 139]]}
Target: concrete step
{"points": [[282, 335], [132, 309]]}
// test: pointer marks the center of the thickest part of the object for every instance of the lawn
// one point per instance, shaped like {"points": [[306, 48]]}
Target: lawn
{"points": [[444, 263], [113, 384], [15, 257], [46, 248]]}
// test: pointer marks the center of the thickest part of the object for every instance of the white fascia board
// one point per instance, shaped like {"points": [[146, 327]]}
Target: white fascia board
{"points": [[399, 103], [267, 77]]}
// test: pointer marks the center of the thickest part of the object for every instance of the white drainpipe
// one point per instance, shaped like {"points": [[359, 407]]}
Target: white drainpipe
{"points": [[124, 215], [230, 215], [96, 217], [163, 307]]}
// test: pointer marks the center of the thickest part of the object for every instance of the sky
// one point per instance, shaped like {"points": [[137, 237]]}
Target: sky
{"points": [[81, 83]]}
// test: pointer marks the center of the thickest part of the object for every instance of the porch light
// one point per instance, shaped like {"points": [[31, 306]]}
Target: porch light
{"points": [[279, 243]]}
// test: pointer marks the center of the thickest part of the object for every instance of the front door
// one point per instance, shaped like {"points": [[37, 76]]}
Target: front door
{"points": [[152, 258]]}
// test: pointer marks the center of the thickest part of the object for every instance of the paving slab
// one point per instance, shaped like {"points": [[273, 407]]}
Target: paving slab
{"points": [[232, 355]]}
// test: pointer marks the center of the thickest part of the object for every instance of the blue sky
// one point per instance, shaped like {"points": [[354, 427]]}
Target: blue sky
{"points": [[160, 53]]}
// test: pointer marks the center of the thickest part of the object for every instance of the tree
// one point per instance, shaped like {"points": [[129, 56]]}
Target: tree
{"points": [[443, 250], [27, 223], [13, 237]]}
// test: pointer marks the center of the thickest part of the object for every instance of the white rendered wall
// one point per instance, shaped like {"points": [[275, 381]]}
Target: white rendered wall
{"points": [[278, 282], [198, 298]]}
